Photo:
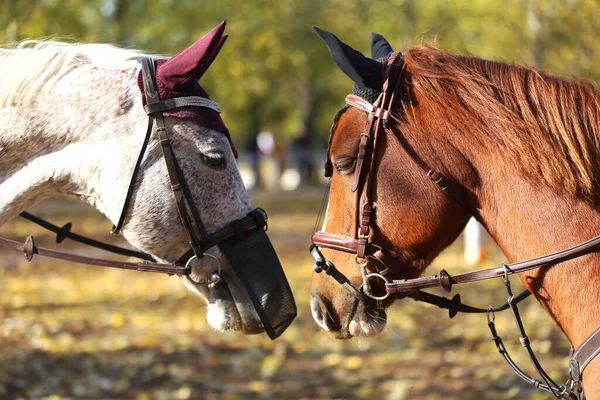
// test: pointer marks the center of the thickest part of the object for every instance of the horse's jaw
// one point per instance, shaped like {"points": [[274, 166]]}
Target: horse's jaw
{"points": [[227, 307]]}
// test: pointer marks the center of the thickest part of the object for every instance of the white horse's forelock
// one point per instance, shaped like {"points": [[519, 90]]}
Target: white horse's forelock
{"points": [[31, 64]]}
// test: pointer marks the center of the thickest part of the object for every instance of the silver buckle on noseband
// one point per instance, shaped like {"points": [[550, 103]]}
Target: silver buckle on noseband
{"points": [[215, 277]]}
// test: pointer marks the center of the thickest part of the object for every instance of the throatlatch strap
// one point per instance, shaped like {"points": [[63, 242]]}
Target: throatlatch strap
{"points": [[117, 228]]}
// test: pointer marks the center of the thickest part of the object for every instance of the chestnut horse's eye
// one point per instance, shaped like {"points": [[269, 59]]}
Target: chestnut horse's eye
{"points": [[345, 165], [214, 160]]}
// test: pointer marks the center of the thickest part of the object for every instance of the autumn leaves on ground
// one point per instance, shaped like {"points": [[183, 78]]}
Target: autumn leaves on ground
{"points": [[73, 331]]}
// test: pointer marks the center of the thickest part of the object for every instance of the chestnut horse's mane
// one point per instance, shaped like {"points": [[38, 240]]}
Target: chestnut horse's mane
{"points": [[547, 125]]}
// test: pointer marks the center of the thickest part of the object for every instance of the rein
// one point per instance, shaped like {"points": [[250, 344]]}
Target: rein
{"points": [[371, 256], [254, 220], [198, 236]]}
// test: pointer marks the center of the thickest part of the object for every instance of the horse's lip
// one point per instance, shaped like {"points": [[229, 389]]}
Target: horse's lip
{"points": [[341, 334], [363, 322], [247, 318], [344, 332], [237, 323], [230, 289]]}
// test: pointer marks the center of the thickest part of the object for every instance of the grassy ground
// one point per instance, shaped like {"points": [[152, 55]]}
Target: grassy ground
{"points": [[72, 331]]}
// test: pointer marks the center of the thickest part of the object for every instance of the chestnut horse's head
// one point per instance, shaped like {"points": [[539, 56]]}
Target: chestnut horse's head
{"points": [[411, 220]]}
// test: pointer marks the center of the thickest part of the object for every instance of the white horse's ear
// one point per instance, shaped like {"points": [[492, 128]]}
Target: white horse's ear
{"points": [[190, 64]]}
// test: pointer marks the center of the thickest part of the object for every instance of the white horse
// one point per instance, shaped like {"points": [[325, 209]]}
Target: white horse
{"points": [[72, 122]]}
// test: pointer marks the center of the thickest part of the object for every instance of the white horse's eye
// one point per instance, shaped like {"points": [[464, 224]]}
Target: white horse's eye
{"points": [[214, 159]]}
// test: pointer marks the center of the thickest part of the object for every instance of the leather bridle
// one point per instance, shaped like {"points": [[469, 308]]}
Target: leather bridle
{"points": [[198, 236], [360, 245], [370, 258]]}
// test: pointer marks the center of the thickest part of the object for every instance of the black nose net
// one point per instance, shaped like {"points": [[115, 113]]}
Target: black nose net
{"points": [[257, 266]]}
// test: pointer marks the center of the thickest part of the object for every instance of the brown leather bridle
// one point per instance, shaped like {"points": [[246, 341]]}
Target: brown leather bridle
{"points": [[370, 258], [360, 245], [198, 236]]}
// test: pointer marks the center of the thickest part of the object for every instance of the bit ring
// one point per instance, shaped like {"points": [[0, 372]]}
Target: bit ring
{"points": [[215, 276], [384, 279]]}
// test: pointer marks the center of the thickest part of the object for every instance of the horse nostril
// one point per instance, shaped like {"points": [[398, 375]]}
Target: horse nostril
{"points": [[316, 309], [323, 313]]}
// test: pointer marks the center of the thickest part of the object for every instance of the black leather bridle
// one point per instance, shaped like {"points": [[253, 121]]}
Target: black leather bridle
{"points": [[199, 238], [254, 263]]}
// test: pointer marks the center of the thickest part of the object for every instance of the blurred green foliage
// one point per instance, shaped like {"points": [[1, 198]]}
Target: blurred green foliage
{"points": [[275, 74]]}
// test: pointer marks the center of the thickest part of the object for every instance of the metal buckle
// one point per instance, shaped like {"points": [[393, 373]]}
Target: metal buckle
{"points": [[434, 180], [361, 236], [360, 264]]}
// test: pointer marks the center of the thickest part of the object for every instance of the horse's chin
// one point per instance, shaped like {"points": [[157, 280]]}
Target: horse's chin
{"points": [[222, 311], [223, 317]]}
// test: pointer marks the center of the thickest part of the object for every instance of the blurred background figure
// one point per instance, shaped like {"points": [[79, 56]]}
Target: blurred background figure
{"points": [[473, 243], [270, 161], [301, 156], [260, 165], [251, 177], [299, 168]]}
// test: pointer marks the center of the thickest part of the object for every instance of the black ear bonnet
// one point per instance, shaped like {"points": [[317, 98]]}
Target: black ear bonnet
{"points": [[366, 73]]}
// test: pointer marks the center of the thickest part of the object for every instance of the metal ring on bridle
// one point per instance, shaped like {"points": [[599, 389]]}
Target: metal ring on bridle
{"points": [[384, 279], [215, 277], [361, 264]]}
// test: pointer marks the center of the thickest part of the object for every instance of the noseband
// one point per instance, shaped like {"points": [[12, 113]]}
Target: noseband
{"points": [[371, 260]]}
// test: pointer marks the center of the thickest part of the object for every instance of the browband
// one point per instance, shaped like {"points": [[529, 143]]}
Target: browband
{"points": [[179, 102]]}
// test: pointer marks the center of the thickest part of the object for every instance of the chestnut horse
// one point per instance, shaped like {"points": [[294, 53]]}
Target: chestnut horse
{"points": [[522, 147]]}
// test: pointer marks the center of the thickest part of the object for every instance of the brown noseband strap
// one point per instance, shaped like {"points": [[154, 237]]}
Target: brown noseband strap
{"points": [[342, 243]]}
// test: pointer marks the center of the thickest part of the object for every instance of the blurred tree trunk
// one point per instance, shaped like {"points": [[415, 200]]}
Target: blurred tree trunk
{"points": [[117, 25], [18, 11], [123, 34], [308, 113], [534, 24]]}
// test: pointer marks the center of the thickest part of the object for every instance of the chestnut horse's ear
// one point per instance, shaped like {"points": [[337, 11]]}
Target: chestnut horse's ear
{"points": [[190, 64], [363, 71], [380, 48]]}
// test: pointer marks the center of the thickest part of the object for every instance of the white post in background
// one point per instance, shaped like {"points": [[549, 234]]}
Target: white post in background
{"points": [[473, 241]]}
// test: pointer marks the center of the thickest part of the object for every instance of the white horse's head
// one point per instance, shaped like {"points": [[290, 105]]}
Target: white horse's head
{"points": [[78, 109]]}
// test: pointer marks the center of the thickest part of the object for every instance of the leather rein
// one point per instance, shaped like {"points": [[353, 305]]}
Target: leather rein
{"points": [[199, 238], [373, 264]]}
